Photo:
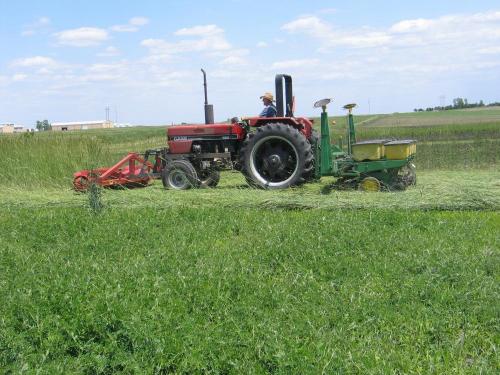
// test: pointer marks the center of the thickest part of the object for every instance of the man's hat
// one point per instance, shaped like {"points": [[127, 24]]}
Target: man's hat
{"points": [[268, 96]]}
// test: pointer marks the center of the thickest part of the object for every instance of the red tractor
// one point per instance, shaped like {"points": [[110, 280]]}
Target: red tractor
{"points": [[271, 152]]}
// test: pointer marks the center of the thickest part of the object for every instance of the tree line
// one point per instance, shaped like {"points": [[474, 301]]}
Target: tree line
{"points": [[458, 103], [43, 125]]}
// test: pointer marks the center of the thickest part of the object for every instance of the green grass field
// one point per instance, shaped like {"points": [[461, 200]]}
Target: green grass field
{"points": [[239, 280]]}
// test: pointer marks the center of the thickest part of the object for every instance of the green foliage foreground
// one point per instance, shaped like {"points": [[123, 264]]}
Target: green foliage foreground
{"points": [[239, 280], [196, 290]]}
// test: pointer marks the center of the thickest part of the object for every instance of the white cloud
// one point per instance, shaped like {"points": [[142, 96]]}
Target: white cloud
{"points": [[317, 28], [262, 45], [100, 68], [173, 78], [200, 30], [109, 52], [82, 37], [133, 25], [410, 52], [38, 25], [43, 21], [35, 61], [124, 28], [407, 26], [293, 64], [310, 25], [139, 21], [233, 60], [19, 77], [456, 29], [106, 72], [206, 39], [489, 50], [486, 16]]}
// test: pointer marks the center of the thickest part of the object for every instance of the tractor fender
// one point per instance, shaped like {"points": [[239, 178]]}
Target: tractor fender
{"points": [[302, 124]]}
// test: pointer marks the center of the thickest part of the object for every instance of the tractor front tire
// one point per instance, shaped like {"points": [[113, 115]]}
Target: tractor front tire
{"points": [[180, 175], [276, 156], [209, 178]]}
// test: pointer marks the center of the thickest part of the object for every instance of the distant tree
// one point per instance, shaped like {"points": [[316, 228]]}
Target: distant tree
{"points": [[481, 103], [458, 103], [43, 125]]}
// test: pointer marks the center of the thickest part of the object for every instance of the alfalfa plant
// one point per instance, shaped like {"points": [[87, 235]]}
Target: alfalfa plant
{"points": [[95, 198], [94, 192]]}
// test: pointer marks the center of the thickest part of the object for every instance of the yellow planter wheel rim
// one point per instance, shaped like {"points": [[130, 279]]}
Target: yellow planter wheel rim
{"points": [[369, 184]]}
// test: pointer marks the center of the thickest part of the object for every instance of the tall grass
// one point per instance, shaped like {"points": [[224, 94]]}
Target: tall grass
{"points": [[459, 155], [50, 159], [432, 133], [454, 117], [31, 161]]}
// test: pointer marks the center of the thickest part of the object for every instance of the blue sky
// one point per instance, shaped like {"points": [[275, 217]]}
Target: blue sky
{"points": [[68, 60]]}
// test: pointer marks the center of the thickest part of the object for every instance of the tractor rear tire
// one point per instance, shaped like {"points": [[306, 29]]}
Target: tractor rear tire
{"points": [[315, 142], [180, 175], [276, 156]]}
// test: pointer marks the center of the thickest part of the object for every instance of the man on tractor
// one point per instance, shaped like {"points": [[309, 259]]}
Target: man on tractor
{"points": [[269, 108]]}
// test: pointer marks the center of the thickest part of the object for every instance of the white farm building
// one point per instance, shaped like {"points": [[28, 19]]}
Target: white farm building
{"points": [[81, 125]]}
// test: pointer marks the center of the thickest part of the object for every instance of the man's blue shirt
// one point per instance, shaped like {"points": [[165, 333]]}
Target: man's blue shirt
{"points": [[268, 111]]}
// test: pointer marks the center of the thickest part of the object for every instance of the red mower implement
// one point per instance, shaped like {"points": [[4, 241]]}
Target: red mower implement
{"points": [[131, 171]]}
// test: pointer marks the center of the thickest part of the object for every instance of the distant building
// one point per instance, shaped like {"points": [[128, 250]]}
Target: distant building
{"points": [[20, 129], [7, 128], [81, 125]]}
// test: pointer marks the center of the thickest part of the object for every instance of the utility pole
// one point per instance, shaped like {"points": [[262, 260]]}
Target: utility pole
{"points": [[442, 100], [107, 113]]}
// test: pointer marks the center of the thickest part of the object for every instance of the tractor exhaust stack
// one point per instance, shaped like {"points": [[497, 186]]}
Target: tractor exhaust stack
{"points": [[209, 108], [284, 109]]}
